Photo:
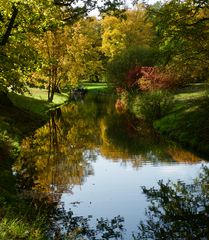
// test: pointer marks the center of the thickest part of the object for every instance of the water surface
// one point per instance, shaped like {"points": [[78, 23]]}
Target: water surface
{"points": [[93, 161]]}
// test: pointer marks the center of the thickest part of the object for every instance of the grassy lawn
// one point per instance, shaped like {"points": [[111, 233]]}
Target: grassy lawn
{"points": [[97, 87], [42, 94], [190, 95], [36, 101], [29, 112]]}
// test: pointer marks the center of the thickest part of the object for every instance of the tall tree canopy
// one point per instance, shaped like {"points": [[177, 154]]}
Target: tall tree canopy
{"points": [[23, 20], [119, 34], [20, 22], [182, 35]]}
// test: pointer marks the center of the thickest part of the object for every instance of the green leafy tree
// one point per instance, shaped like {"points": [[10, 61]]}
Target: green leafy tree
{"points": [[20, 22], [119, 68], [113, 8], [182, 36], [113, 38], [126, 42]]}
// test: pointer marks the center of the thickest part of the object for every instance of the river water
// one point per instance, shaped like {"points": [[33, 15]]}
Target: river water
{"points": [[93, 162]]}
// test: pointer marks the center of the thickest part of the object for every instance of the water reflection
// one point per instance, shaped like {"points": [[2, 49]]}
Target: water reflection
{"points": [[59, 154], [68, 150], [69, 226], [54, 158], [177, 210]]}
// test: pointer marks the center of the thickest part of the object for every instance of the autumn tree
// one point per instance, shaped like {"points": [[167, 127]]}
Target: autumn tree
{"points": [[53, 158], [22, 20], [119, 34], [127, 44], [113, 38], [52, 49], [84, 56]]}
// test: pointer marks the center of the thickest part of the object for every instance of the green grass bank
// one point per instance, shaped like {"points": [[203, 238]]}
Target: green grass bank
{"points": [[20, 116], [188, 122]]}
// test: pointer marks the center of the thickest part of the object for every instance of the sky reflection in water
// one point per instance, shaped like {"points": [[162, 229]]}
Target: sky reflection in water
{"points": [[95, 161], [115, 189]]}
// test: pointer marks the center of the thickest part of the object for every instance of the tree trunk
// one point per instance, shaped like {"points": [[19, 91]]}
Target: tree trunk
{"points": [[10, 26]]}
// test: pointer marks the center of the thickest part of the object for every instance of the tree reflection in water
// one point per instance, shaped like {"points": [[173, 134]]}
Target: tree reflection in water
{"points": [[67, 226], [178, 211], [59, 155], [55, 157]]}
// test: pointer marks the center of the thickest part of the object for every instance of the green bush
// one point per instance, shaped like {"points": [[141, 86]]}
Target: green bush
{"points": [[153, 105], [122, 63]]}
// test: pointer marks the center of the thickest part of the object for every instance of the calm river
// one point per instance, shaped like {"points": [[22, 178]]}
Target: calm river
{"points": [[91, 161]]}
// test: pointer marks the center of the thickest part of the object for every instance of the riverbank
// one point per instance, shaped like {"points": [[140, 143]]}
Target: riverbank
{"points": [[29, 111], [188, 122], [20, 116], [18, 220]]}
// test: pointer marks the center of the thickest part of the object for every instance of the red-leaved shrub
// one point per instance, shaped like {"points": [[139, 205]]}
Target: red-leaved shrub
{"points": [[120, 106], [150, 78]]}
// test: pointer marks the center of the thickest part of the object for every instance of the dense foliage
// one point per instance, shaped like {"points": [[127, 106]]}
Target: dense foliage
{"points": [[38, 44], [182, 36], [153, 105], [122, 70], [56, 45], [53, 44]]}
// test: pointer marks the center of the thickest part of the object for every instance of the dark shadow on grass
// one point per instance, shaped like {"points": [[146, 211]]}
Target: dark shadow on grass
{"points": [[189, 126]]}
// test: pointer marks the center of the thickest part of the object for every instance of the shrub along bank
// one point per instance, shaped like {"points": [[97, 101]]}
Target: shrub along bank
{"points": [[182, 116]]}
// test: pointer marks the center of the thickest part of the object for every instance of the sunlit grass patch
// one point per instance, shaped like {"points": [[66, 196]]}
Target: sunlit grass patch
{"points": [[192, 91], [191, 95], [97, 87], [42, 94], [36, 101], [188, 96], [18, 229]]}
